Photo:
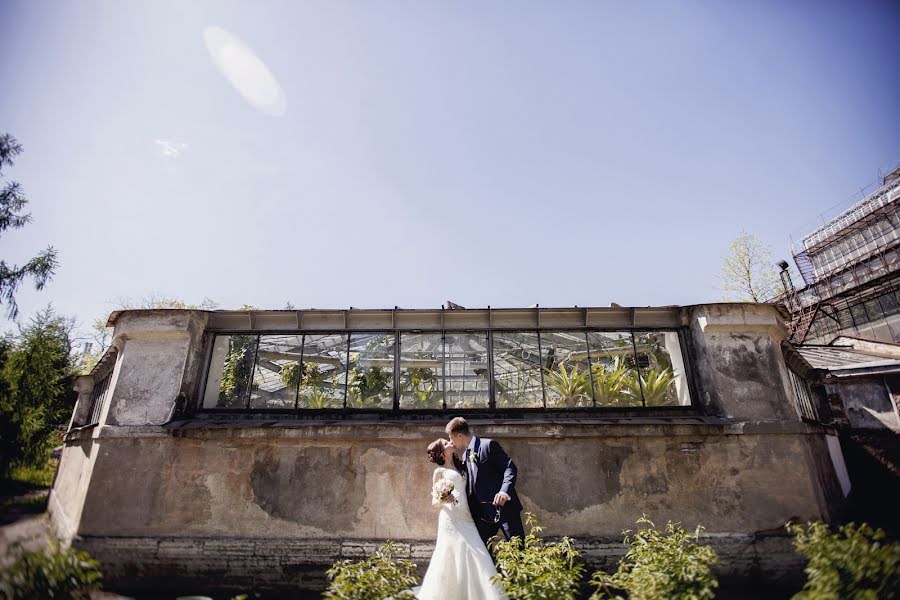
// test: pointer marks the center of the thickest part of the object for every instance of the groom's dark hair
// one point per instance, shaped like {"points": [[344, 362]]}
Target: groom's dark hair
{"points": [[458, 425]]}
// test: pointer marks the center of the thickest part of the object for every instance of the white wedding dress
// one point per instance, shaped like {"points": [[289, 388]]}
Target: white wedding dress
{"points": [[461, 566]]}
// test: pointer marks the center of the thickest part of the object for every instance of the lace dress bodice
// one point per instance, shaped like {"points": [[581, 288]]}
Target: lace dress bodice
{"points": [[460, 510]]}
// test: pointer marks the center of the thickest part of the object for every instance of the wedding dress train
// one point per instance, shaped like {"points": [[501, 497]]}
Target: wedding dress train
{"points": [[461, 566]]}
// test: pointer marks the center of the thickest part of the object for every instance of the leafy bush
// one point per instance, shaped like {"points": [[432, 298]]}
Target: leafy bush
{"points": [[377, 577], [51, 573], [852, 563], [533, 569], [661, 565]]}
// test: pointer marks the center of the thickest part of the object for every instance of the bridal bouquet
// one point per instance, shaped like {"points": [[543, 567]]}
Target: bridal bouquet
{"points": [[443, 491]]}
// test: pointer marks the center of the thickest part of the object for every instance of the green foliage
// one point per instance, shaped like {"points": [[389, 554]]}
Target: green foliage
{"points": [[418, 383], [312, 384], [51, 573], [12, 201], [367, 386], [655, 385], [855, 562], [572, 387], [661, 565], [237, 370], [534, 569], [609, 382], [377, 577], [36, 396]]}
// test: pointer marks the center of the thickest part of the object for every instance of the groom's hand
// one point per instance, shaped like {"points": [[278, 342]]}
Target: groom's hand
{"points": [[500, 499]]}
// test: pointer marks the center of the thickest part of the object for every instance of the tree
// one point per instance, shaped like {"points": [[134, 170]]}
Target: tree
{"points": [[748, 274], [36, 395], [12, 202]]}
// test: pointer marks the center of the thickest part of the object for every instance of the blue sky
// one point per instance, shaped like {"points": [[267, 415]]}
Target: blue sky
{"points": [[408, 153]]}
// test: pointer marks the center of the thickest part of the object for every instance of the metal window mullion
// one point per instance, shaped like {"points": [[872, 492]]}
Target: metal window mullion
{"points": [[590, 370], [300, 373], [253, 372], [444, 368], [396, 386], [347, 371], [637, 367], [541, 363], [492, 401]]}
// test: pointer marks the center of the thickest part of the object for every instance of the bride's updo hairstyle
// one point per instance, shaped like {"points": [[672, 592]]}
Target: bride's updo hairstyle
{"points": [[436, 452], [436, 455]]}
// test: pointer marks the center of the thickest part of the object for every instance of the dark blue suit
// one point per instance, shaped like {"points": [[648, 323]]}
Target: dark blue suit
{"points": [[491, 471]]}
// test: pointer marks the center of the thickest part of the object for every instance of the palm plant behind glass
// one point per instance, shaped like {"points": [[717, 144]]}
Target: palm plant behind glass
{"points": [[573, 387], [655, 384], [610, 382]]}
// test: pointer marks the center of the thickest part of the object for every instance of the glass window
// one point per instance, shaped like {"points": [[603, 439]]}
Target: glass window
{"points": [[663, 380], [277, 371], [371, 380], [613, 369], [466, 370], [323, 376], [567, 372], [230, 371], [518, 363], [889, 303], [421, 370], [859, 314]]}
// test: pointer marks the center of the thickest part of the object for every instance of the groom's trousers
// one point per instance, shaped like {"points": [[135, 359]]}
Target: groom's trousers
{"points": [[510, 526]]}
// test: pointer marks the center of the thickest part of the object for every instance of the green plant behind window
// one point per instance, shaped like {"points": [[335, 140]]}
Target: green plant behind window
{"points": [[661, 565], [610, 382], [418, 384], [534, 569], [573, 388], [237, 370], [855, 562], [374, 578], [367, 386], [655, 385]]}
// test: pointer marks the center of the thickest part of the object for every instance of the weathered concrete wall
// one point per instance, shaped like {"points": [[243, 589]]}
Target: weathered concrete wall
{"points": [[160, 360], [739, 362], [373, 481], [289, 501]]}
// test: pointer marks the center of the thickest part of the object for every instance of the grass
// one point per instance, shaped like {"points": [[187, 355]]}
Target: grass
{"points": [[36, 477], [24, 492]]}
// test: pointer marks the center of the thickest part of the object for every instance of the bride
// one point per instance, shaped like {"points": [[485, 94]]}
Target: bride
{"points": [[461, 566]]}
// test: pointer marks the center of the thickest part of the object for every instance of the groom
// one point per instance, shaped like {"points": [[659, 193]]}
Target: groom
{"points": [[491, 482]]}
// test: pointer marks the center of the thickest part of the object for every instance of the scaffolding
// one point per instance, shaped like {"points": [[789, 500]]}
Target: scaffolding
{"points": [[853, 260]]}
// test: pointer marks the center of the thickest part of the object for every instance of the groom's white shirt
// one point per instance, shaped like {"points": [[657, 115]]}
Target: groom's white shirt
{"points": [[471, 449]]}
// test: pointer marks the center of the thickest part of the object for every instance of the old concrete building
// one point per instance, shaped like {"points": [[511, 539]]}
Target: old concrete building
{"points": [[253, 449]]}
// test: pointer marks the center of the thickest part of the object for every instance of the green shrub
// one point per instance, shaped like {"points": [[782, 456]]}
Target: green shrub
{"points": [[377, 577], [852, 563], [50, 573], [660, 565], [533, 569]]}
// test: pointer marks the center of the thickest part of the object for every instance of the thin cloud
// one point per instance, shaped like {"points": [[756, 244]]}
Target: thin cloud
{"points": [[171, 148]]}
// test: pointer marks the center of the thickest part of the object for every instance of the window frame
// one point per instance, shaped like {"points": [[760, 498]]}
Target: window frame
{"points": [[492, 409]]}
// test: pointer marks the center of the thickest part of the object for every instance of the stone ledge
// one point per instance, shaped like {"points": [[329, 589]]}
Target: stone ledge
{"points": [[425, 430], [178, 564]]}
